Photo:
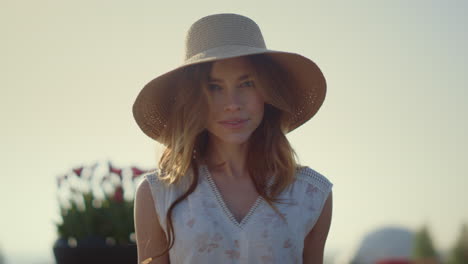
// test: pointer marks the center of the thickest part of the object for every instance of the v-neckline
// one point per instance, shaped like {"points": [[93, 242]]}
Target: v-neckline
{"points": [[223, 205]]}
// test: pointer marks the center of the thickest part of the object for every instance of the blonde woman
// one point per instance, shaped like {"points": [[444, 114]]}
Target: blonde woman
{"points": [[228, 188]]}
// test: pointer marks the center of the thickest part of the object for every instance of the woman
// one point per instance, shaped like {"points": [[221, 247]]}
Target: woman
{"points": [[228, 188]]}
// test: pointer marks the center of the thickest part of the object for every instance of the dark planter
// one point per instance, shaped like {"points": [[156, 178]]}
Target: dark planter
{"points": [[94, 250]]}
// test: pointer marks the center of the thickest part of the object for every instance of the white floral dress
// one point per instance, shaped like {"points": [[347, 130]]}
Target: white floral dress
{"points": [[207, 232]]}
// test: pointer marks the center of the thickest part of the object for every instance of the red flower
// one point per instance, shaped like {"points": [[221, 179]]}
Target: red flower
{"points": [[136, 172], [118, 194], [78, 171]]}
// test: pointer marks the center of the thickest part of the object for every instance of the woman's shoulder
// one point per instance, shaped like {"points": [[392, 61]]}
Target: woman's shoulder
{"points": [[151, 176], [307, 175], [153, 171], [158, 180]]}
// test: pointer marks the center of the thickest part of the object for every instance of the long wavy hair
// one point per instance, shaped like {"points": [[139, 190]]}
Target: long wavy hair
{"points": [[186, 136]]}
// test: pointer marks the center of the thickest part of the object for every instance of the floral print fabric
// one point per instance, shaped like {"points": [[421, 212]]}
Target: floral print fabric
{"points": [[206, 232]]}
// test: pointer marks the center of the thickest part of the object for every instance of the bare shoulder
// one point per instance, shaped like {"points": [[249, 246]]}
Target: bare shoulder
{"points": [[143, 193], [314, 243], [150, 237]]}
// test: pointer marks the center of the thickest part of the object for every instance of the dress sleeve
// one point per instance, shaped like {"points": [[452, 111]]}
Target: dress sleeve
{"points": [[163, 194], [160, 196], [315, 191]]}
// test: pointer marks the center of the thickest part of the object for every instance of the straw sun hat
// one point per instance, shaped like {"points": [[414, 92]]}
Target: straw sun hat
{"points": [[222, 36]]}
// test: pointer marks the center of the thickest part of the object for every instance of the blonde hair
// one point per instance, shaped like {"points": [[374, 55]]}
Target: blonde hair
{"points": [[185, 134]]}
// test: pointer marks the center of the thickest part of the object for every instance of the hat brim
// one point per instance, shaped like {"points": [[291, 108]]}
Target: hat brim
{"points": [[151, 106]]}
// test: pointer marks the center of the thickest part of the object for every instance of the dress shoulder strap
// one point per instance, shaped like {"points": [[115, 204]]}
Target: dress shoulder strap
{"points": [[314, 178]]}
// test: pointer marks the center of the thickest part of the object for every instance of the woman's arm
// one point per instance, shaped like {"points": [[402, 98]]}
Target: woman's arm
{"points": [[314, 243], [150, 237]]}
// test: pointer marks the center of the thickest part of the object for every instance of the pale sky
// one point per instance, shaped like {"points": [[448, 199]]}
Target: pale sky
{"points": [[391, 134]]}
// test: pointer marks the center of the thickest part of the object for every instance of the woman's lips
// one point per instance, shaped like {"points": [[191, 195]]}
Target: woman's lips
{"points": [[234, 125]]}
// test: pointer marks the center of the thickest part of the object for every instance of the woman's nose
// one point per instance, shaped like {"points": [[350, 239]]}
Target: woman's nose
{"points": [[233, 102]]}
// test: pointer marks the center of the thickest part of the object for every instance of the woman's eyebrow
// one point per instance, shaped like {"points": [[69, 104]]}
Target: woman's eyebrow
{"points": [[242, 77]]}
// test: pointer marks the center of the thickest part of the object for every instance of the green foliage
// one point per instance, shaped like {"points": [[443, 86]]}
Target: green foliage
{"points": [[113, 219], [423, 247], [2, 260], [459, 254], [86, 214]]}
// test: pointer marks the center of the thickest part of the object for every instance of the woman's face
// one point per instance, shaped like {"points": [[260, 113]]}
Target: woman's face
{"points": [[237, 104]]}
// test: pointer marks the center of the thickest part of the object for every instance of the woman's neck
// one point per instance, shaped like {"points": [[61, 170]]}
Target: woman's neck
{"points": [[227, 159]]}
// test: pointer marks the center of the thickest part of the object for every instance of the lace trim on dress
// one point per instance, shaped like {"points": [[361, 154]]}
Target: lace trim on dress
{"points": [[223, 204], [313, 177]]}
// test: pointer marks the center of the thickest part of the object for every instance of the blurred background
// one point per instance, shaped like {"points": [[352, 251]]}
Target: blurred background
{"points": [[391, 134]]}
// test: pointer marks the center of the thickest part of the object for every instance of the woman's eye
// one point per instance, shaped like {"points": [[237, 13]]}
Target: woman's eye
{"points": [[213, 87], [248, 83]]}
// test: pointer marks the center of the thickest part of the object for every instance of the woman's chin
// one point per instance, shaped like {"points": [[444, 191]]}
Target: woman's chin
{"points": [[235, 139]]}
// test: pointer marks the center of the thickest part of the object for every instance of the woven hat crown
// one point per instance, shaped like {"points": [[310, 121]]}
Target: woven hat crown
{"points": [[222, 36], [220, 30]]}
